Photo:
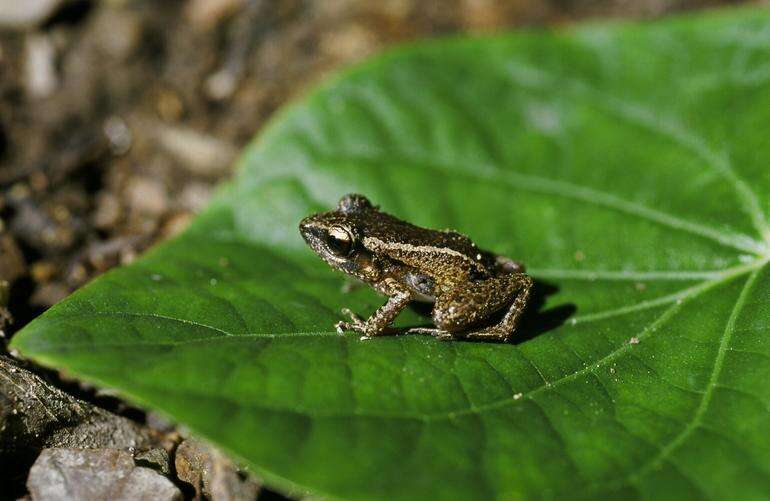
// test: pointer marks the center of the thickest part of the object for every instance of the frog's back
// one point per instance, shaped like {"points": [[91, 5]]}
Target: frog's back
{"points": [[446, 251]]}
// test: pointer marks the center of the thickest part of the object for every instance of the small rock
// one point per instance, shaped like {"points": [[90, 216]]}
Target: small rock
{"points": [[191, 459], [76, 274], [19, 192], [39, 230], [221, 84], [94, 475], [12, 263], [42, 79], [118, 134], [194, 197], [484, 16], [211, 473], [169, 105], [128, 257], [207, 14], [146, 484], [5, 315], [156, 458], [176, 224], [42, 271], [155, 420], [38, 181], [104, 255], [350, 43], [107, 213], [147, 196], [196, 152], [20, 15], [118, 32], [49, 294]]}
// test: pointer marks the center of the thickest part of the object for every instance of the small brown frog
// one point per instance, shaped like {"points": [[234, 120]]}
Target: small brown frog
{"points": [[468, 286]]}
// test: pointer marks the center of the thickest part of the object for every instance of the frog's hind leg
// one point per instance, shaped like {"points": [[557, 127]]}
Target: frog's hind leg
{"points": [[459, 312], [503, 330]]}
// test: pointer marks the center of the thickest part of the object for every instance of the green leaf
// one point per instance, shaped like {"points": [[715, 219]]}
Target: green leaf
{"points": [[627, 165]]}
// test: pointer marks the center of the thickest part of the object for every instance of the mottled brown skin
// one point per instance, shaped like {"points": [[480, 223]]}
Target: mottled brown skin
{"points": [[468, 286]]}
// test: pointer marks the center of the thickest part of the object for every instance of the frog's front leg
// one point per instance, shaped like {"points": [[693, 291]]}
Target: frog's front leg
{"points": [[473, 303], [377, 324]]}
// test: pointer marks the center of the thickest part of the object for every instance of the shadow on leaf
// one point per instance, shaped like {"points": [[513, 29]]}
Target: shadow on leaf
{"points": [[535, 321]]}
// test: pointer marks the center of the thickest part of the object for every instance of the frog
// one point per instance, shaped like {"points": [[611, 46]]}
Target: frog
{"points": [[475, 294]]}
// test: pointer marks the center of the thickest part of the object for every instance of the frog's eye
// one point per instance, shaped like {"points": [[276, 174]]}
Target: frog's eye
{"points": [[340, 241]]}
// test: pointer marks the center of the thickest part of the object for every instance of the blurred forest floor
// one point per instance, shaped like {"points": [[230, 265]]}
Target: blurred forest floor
{"points": [[118, 117]]}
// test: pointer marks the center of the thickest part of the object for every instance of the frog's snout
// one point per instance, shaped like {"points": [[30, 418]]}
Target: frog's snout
{"points": [[309, 231], [304, 228]]}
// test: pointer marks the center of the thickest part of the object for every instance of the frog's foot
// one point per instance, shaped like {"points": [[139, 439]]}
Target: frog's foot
{"points": [[437, 333], [355, 320], [494, 333], [343, 326], [378, 323], [356, 323]]}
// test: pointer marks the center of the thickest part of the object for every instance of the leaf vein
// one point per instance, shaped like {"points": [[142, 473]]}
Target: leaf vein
{"points": [[688, 430]]}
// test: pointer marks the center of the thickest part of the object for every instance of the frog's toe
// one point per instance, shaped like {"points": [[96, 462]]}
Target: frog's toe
{"points": [[355, 318], [494, 333], [437, 333], [356, 325], [443, 335]]}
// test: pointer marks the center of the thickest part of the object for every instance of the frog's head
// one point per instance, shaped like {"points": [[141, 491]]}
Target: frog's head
{"points": [[336, 237]]}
